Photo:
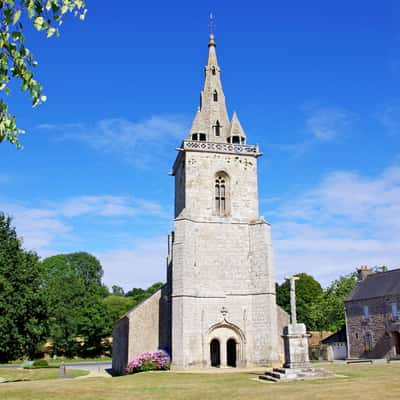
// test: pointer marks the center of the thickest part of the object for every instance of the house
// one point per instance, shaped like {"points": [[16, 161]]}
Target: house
{"points": [[372, 315]]}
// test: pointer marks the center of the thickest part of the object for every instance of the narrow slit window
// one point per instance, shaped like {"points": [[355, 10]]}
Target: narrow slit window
{"points": [[215, 95], [213, 70], [217, 129]]}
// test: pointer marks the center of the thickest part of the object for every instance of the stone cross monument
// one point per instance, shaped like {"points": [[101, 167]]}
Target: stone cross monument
{"points": [[292, 281], [295, 335], [297, 362]]}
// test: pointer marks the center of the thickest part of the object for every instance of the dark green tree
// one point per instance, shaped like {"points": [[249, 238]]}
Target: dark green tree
{"points": [[330, 310], [117, 306], [140, 295], [23, 312], [308, 295], [74, 291], [117, 290]]}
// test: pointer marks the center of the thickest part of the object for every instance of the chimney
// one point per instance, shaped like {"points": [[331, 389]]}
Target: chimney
{"points": [[362, 272]]}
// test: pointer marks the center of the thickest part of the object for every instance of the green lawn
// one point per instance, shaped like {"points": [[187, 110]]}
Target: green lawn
{"points": [[17, 374], [59, 360], [367, 382]]}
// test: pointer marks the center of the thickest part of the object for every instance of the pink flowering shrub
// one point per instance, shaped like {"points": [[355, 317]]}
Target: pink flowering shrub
{"points": [[156, 361]]}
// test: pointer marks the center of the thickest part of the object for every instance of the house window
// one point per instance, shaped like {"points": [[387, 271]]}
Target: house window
{"points": [[215, 95], [217, 129], [365, 313], [395, 312], [368, 342], [221, 182]]}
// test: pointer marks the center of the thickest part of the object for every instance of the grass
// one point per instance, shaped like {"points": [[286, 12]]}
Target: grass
{"points": [[367, 382], [59, 360], [16, 374]]}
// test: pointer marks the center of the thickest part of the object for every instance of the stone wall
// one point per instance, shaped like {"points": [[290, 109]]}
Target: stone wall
{"points": [[378, 326], [146, 328], [120, 346], [283, 321], [149, 325]]}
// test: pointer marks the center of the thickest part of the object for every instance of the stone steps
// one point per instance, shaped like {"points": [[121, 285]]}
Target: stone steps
{"points": [[289, 374]]}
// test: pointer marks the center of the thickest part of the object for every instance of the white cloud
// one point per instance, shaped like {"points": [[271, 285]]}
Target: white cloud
{"points": [[37, 226], [140, 267], [346, 221], [390, 118], [109, 206], [326, 123], [322, 124], [138, 142], [42, 226]]}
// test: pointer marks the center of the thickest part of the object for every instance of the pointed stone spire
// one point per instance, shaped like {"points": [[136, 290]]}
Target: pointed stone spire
{"points": [[236, 132], [212, 116], [212, 54]]}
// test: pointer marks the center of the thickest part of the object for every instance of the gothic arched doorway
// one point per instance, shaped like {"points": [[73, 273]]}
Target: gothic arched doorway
{"points": [[215, 355], [231, 353]]}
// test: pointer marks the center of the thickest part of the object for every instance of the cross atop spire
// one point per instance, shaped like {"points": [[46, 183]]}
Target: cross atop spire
{"points": [[211, 25]]}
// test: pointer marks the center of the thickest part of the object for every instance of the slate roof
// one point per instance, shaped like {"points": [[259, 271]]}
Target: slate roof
{"points": [[337, 337], [377, 285]]}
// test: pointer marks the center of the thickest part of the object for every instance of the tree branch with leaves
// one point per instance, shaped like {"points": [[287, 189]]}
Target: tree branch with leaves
{"points": [[16, 61]]}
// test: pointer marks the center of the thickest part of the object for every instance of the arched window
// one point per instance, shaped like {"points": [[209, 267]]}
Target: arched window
{"points": [[215, 95], [217, 129], [221, 194]]}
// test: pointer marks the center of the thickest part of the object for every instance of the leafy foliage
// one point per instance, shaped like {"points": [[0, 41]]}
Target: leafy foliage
{"points": [[16, 61], [308, 293], [330, 311], [320, 310], [139, 295], [23, 312], [74, 292]]}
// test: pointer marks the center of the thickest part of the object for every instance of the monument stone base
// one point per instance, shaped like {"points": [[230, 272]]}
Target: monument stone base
{"points": [[295, 338], [297, 363]]}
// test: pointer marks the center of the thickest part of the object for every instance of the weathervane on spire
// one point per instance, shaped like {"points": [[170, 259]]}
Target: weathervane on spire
{"points": [[212, 24]]}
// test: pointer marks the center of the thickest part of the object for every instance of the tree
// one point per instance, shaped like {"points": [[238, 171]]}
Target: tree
{"points": [[23, 312], [117, 290], [72, 283], [331, 306], [16, 61], [308, 294], [116, 307]]}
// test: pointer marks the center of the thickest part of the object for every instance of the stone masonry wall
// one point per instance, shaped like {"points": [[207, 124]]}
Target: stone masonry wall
{"points": [[222, 263], [377, 325], [283, 321], [120, 346], [149, 325]]}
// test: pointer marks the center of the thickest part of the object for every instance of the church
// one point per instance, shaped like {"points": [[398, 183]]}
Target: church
{"points": [[218, 307]]}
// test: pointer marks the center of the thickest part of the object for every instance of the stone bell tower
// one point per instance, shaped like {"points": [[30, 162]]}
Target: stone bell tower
{"points": [[221, 271]]}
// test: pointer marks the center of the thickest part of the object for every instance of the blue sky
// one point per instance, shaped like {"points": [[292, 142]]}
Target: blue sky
{"points": [[315, 85]]}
